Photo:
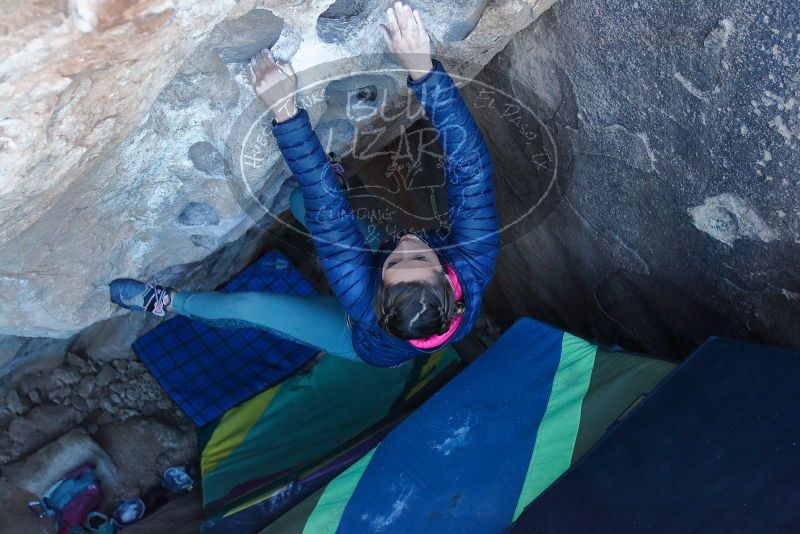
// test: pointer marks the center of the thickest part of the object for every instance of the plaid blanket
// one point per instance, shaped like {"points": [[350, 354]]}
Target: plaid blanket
{"points": [[208, 370]]}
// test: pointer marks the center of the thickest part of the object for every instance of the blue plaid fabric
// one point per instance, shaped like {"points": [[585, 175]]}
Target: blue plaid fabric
{"points": [[209, 370]]}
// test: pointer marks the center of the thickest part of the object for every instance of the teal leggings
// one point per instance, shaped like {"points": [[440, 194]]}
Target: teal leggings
{"points": [[319, 322]]}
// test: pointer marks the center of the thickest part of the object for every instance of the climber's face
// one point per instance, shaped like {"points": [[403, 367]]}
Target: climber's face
{"points": [[411, 261]]}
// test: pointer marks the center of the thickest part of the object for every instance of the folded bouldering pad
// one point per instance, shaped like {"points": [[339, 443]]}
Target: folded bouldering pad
{"points": [[266, 454], [715, 448]]}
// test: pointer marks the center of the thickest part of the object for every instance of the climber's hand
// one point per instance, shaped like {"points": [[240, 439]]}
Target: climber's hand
{"points": [[275, 84], [408, 40]]}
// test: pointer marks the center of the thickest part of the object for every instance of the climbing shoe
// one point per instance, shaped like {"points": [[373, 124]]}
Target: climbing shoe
{"points": [[176, 480], [140, 296], [98, 523], [127, 513]]}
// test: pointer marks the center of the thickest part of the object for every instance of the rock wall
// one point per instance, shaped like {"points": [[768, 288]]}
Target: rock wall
{"points": [[116, 118], [56, 418], [667, 204], [671, 131]]}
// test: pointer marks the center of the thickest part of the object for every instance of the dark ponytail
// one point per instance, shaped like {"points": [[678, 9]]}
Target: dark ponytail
{"points": [[416, 310]]}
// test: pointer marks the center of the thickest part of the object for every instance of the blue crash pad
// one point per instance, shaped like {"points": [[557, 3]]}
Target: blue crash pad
{"points": [[715, 448], [457, 464]]}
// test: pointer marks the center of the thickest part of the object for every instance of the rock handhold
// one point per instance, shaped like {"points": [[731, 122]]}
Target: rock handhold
{"points": [[237, 40], [205, 241], [206, 158], [287, 45], [358, 97], [341, 18], [204, 77], [198, 214]]}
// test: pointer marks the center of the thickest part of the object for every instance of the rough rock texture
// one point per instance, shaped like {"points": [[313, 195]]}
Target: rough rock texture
{"points": [[42, 405], [665, 208], [20, 352], [16, 518], [166, 446], [110, 413], [184, 515], [111, 113], [41, 470]]}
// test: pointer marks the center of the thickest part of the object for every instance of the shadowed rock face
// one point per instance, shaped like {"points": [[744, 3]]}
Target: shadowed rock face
{"points": [[675, 215], [348, 21], [341, 18], [116, 116], [237, 40], [198, 214]]}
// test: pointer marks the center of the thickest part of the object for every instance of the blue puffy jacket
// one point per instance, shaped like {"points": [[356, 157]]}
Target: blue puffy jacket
{"points": [[470, 244]]}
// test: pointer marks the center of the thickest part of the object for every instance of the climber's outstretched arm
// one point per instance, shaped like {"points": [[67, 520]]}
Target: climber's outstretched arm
{"points": [[472, 214], [474, 226], [342, 250]]}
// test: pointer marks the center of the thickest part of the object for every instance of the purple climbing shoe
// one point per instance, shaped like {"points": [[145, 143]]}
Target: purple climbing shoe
{"points": [[140, 296]]}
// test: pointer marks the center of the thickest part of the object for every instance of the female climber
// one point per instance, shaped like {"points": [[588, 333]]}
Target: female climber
{"points": [[411, 294]]}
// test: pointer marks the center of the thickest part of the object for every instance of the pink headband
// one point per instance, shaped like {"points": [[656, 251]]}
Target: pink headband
{"points": [[438, 339]]}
